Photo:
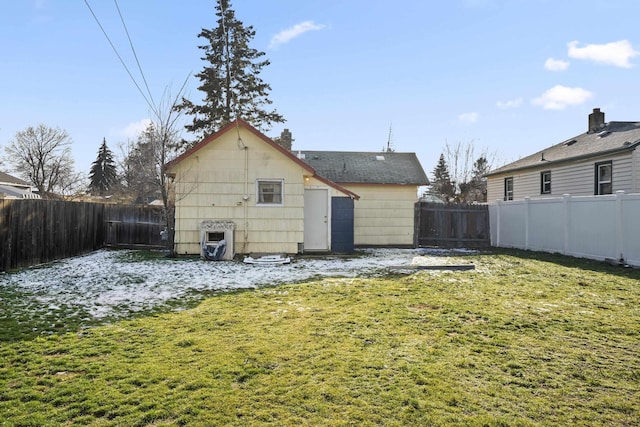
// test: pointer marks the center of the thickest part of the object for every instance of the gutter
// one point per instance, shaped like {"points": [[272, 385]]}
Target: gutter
{"points": [[629, 147]]}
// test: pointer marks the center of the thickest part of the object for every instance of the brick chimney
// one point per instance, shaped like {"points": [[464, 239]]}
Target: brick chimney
{"points": [[596, 120], [285, 140]]}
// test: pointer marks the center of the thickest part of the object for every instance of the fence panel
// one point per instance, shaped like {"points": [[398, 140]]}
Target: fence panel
{"points": [[133, 225], [451, 225], [36, 231], [595, 227]]}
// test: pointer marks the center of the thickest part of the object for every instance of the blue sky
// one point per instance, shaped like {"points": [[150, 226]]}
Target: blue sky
{"points": [[513, 76]]}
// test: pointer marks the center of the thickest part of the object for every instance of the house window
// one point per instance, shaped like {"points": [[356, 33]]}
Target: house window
{"points": [[508, 188], [270, 192], [545, 182], [604, 180]]}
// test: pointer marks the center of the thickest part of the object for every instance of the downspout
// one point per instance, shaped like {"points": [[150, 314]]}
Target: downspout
{"points": [[245, 196], [245, 199]]}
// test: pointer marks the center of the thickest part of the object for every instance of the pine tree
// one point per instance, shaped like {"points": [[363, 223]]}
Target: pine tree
{"points": [[231, 79], [441, 184], [478, 183], [103, 176], [141, 167]]}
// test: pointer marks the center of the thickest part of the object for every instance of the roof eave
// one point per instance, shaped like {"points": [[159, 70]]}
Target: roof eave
{"points": [[227, 128], [337, 187], [539, 165], [384, 183], [269, 141]]}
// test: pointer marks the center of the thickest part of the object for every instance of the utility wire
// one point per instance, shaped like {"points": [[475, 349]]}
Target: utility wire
{"points": [[120, 58], [135, 55]]}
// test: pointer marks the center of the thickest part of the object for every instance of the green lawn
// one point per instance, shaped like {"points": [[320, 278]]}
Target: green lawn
{"points": [[519, 341]]}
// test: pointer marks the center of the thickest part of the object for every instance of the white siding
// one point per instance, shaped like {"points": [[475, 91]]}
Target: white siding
{"points": [[576, 178]]}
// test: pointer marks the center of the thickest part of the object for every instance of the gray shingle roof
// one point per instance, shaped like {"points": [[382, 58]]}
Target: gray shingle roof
{"points": [[613, 137], [344, 167], [8, 179]]}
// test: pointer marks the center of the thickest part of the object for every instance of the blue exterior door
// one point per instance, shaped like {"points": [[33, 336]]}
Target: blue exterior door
{"points": [[342, 225]]}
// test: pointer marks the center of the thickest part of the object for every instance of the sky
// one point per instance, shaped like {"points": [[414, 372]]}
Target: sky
{"points": [[508, 77]]}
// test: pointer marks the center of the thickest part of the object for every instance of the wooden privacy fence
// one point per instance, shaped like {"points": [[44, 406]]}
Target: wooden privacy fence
{"points": [[37, 231], [451, 225], [128, 225]]}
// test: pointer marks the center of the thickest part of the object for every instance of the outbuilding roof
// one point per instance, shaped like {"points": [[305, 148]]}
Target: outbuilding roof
{"points": [[347, 167], [611, 138], [239, 122]]}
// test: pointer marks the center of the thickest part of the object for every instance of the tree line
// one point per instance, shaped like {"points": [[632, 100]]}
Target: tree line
{"points": [[459, 176], [231, 88]]}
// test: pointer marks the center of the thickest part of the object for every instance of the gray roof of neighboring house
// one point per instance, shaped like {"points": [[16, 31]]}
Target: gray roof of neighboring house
{"points": [[5, 178], [612, 138], [345, 167]]}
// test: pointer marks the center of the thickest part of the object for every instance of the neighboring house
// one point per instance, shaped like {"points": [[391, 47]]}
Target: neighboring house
{"points": [[260, 197], [602, 160], [14, 188]]}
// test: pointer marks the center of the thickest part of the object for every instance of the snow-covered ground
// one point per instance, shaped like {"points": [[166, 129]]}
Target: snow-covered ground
{"points": [[116, 284]]}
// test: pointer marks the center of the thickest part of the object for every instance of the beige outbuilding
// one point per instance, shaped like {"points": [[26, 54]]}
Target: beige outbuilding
{"points": [[257, 195]]}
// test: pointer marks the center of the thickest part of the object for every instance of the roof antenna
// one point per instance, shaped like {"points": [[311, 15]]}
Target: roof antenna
{"points": [[389, 141]]}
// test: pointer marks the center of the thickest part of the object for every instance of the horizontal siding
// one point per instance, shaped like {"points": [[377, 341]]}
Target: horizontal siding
{"points": [[495, 188], [386, 239], [191, 246], [214, 182], [572, 178], [384, 215]]}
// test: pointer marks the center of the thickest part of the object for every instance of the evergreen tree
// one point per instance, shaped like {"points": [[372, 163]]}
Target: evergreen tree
{"points": [[231, 79], [441, 184], [103, 175], [478, 181], [141, 168]]}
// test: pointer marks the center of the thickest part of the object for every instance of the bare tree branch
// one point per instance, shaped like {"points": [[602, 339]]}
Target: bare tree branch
{"points": [[42, 156]]}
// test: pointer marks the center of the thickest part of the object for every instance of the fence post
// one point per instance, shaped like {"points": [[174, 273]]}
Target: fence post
{"points": [[416, 224], [527, 201], [498, 221], [566, 198], [619, 225]]}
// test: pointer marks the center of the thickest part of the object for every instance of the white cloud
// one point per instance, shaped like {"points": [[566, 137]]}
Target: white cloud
{"points": [[285, 36], [41, 12], [560, 97], [133, 130], [511, 103], [469, 117], [556, 64], [616, 53]]}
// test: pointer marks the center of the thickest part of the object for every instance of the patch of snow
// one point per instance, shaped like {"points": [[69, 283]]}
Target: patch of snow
{"points": [[114, 284]]}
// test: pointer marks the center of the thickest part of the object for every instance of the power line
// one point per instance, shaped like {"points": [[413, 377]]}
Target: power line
{"points": [[120, 58], [135, 55]]}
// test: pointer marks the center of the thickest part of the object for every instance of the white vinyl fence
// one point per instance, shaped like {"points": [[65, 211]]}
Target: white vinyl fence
{"points": [[595, 227]]}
